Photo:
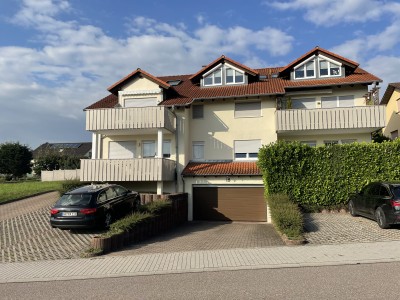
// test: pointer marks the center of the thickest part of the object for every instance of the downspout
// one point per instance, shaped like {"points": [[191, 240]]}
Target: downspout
{"points": [[176, 148]]}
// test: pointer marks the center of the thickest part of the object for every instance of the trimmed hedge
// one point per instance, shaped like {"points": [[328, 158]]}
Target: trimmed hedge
{"points": [[325, 176], [286, 216], [70, 184]]}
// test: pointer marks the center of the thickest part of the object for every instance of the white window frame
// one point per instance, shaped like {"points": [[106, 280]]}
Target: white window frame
{"points": [[303, 65], [329, 61], [248, 155], [155, 148], [250, 114], [123, 146], [304, 100], [197, 145], [337, 101], [212, 72], [228, 66]]}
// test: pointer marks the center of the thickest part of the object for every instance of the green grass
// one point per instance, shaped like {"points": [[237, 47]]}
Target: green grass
{"points": [[11, 191]]}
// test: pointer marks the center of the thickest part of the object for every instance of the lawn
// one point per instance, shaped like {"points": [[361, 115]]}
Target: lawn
{"points": [[10, 191]]}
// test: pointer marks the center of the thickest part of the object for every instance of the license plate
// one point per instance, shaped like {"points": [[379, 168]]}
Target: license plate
{"points": [[69, 214]]}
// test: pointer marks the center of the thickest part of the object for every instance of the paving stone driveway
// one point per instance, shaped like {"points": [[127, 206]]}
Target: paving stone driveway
{"points": [[209, 236], [340, 228], [25, 233]]}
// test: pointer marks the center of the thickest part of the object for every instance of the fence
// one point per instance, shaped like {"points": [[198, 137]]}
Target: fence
{"points": [[60, 175]]}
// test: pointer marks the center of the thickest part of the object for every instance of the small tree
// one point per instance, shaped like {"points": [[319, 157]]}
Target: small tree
{"points": [[378, 137], [15, 160]]}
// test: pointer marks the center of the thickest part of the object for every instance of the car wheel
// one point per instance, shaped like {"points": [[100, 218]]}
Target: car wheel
{"points": [[352, 210], [108, 220], [381, 218]]}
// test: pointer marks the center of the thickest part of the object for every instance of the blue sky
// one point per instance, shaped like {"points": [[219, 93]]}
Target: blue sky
{"points": [[59, 56]]}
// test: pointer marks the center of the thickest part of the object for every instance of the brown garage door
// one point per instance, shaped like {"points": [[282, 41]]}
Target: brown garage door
{"points": [[229, 203]]}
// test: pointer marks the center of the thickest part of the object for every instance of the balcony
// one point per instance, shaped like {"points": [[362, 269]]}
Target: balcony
{"points": [[129, 118], [358, 117], [137, 169]]}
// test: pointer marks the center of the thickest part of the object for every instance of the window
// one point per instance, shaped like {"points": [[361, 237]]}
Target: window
{"points": [[140, 102], [198, 150], [234, 76], [247, 149], [337, 101], [394, 134], [166, 149], [305, 103], [111, 194], [120, 190], [349, 141], [121, 150], [215, 78], [327, 68], [149, 148], [310, 143], [306, 70], [247, 109], [197, 112], [331, 142]]}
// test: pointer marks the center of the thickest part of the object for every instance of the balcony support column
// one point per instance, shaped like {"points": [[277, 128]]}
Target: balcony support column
{"points": [[160, 187], [96, 144], [159, 143]]}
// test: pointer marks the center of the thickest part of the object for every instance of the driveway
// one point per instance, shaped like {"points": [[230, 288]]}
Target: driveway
{"points": [[341, 228], [26, 235], [203, 235]]}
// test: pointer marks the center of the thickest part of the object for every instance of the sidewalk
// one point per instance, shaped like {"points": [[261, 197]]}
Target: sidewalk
{"points": [[200, 261]]}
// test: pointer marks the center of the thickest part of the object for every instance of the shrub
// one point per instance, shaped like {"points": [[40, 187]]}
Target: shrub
{"points": [[286, 216], [130, 221], [68, 185], [324, 176], [156, 207]]}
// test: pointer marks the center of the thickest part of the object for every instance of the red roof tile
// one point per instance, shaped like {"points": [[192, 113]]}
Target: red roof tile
{"points": [[187, 91], [221, 168], [389, 91]]}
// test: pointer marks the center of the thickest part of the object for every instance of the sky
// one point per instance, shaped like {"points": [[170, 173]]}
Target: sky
{"points": [[59, 56]]}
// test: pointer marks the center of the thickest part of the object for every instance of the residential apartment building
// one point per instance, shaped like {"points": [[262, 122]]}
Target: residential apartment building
{"points": [[200, 133], [391, 100]]}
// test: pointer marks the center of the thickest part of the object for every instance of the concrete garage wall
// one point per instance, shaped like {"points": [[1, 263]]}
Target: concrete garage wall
{"points": [[60, 175]]}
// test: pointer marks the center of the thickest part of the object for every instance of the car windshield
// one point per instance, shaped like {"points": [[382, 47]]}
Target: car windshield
{"points": [[396, 191], [74, 200]]}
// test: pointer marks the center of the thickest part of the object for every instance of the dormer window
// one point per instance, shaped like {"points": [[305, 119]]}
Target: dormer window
{"points": [[306, 70], [224, 74], [215, 78], [328, 68], [317, 66]]}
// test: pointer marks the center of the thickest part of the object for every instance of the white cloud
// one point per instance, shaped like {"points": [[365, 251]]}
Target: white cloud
{"points": [[333, 12], [74, 63]]}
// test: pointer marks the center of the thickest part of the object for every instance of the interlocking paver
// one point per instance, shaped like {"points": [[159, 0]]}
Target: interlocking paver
{"points": [[26, 235], [341, 228]]}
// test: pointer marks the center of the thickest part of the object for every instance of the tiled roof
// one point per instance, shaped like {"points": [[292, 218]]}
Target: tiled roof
{"points": [[221, 168], [188, 90], [389, 91], [71, 149]]}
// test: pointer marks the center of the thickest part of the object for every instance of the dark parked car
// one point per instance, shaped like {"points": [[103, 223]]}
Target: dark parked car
{"points": [[93, 206], [379, 201]]}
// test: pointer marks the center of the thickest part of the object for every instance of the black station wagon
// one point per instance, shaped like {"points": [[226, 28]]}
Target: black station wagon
{"points": [[379, 201], [93, 206]]}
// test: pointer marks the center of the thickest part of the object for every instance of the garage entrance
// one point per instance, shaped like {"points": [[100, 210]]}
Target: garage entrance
{"points": [[229, 203]]}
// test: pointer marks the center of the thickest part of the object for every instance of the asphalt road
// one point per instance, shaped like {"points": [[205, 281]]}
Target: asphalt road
{"points": [[367, 281]]}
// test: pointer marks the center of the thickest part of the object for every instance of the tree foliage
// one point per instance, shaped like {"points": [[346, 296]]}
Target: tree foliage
{"points": [[324, 176], [50, 161], [15, 160]]}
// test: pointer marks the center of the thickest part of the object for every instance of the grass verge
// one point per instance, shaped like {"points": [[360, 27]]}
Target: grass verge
{"points": [[12, 191]]}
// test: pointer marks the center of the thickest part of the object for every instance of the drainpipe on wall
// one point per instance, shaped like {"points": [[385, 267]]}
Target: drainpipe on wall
{"points": [[176, 148]]}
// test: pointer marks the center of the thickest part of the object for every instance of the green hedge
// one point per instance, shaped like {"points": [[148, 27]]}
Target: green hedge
{"points": [[286, 216], [71, 184], [324, 176]]}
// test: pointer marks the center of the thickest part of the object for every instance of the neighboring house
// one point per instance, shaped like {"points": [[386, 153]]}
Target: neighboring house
{"points": [[83, 150], [200, 133], [391, 100]]}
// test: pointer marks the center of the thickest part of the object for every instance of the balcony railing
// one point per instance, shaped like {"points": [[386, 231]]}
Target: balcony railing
{"points": [[137, 169], [130, 118], [331, 118]]}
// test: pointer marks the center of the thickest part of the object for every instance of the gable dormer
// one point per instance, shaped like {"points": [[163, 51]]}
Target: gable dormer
{"points": [[139, 89], [319, 64], [223, 72]]}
